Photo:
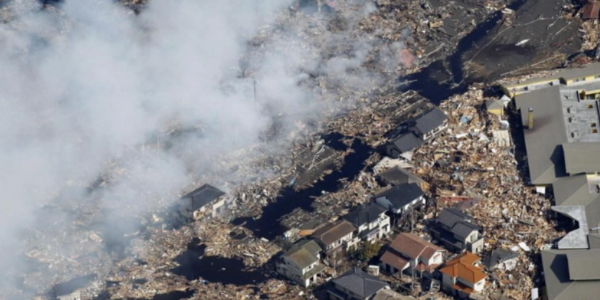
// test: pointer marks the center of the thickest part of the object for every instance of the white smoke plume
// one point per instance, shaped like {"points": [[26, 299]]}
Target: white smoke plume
{"points": [[89, 89]]}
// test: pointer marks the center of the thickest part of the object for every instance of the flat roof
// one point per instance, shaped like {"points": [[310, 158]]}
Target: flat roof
{"points": [[573, 73], [582, 157], [584, 265], [559, 286], [543, 142]]}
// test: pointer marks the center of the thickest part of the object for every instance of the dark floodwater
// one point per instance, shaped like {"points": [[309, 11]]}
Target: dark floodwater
{"points": [[267, 225]]}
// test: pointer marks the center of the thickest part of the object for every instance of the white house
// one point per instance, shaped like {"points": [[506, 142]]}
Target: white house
{"points": [[206, 201], [301, 263], [371, 222], [401, 198]]}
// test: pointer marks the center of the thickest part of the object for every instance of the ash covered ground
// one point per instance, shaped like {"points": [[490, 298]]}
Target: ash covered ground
{"points": [[112, 112]]}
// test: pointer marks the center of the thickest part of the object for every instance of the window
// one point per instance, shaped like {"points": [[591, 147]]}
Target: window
{"points": [[590, 106], [593, 125], [594, 130]]}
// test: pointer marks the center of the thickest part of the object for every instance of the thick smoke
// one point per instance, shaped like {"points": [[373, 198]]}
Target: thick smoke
{"points": [[102, 108]]}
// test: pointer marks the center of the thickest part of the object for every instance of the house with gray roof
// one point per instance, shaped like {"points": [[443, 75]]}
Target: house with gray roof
{"points": [[398, 176], [370, 221], [301, 263], [355, 285], [205, 201], [455, 230], [401, 199], [416, 132]]}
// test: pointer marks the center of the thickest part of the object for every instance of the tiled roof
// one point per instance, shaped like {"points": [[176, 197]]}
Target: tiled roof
{"points": [[394, 260], [463, 267], [360, 283], [334, 232], [413, 246]]}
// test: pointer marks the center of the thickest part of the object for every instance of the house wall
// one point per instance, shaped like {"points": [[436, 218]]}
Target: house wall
{"points": [[476, 246], [390, 269], [513, 90], [581, 79], [434, 132], [465, 282], [496, 111], [347, 238], [478, 287], [447, 282], [290, 270], [349, 293], [436, 259]]}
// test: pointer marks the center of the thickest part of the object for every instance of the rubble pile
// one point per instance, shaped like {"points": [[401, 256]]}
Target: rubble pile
{"points": [[469, 169]]}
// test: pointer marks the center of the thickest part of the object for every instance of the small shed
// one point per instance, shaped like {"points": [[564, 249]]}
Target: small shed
{"points": [[495, 107]]}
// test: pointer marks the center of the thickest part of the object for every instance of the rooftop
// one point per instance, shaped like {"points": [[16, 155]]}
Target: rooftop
{"points": [[557, 273], [463, 267], [398, 175], [360, 283], [365, 214], [205, 195], [401, 195], [430, 120], [413, 246], [304, 253], [334, 232]]}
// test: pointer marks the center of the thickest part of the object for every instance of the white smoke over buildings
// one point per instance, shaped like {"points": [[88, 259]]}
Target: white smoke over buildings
{"points": [[91, 88]]}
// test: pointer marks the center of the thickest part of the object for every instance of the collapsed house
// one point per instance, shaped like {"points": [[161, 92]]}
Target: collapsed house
{"points": [[455, 230], [560, 124], [398, 176], [416, 132], [301, 263], [503, 259]]}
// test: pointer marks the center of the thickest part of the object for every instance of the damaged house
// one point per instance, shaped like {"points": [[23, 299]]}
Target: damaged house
{"points": [[370, 221], [416, 132], [401, 199], [206, 201], [455, 230], [397, 176], [335, 237], [301, 263], [409, 253]]}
